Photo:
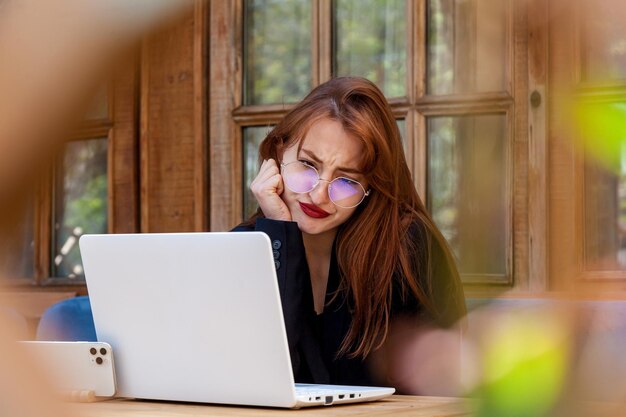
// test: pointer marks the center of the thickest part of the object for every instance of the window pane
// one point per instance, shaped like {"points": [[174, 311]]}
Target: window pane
{"points": [[371, 42], [605, 213], [604, 39], [402, 127], [252, 138], [466, 46], [277, 51], [80, 202], [467, 177]]}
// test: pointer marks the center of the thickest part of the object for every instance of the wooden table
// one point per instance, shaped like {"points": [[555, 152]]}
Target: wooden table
{"points": [[395, 406]]}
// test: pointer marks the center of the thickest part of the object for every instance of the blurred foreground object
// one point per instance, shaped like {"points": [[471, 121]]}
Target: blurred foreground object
{"points": [[546, 357], [521, 355], [43, 45]]}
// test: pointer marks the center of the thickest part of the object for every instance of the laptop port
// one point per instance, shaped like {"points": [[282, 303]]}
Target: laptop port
{"points": [[328, 400], [318, 398], [351, 395], [341, 396]]}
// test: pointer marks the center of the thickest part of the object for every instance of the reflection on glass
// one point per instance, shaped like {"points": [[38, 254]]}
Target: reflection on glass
{"points": [[277, 51], [99, 107], [467, 176], [603, 39], [252, 138], [371, 42], [19, 252], [605, 213], [80, 202], [466, 46], [402, 127]]}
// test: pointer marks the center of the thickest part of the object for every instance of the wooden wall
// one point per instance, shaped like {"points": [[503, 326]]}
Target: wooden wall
{"points": [[173, 127]]}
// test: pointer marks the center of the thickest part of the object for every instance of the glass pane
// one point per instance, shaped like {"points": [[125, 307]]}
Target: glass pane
{"points": [[605, 213], [19, 252], [277, 51], [252, 138], [371, 42], [604, 39], [467, 177], [402, 127], [80, 202], [466, 46], [99, 107]]}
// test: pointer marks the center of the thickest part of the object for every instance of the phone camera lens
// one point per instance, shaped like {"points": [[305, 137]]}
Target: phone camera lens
{"points": [[103, 351], [93, 351], [99, 360]]}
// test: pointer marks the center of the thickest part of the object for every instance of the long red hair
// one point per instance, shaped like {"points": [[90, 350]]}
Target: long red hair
{"points": [[373, 246]]}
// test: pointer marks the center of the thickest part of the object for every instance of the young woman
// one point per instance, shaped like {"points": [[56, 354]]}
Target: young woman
{"points": [[355, 249]]}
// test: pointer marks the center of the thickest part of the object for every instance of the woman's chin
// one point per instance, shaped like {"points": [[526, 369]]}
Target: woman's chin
{"points": [[311, 226]]}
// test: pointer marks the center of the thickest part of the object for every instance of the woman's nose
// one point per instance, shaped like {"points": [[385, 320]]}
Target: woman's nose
{"points": [[319, 194]]}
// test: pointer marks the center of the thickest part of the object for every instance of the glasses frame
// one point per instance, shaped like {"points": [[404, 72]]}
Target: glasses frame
{"points": [[320, 179]]}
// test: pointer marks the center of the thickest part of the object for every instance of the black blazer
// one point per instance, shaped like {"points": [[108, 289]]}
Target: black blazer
{"points": [[314, 340]]}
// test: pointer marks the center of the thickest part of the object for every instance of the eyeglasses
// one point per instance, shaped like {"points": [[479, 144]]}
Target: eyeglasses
{"points": [[302, 178]]}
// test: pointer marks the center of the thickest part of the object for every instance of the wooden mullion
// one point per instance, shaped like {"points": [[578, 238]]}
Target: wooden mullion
{"points": [[461, 109], [465, 98], [538, 146], [516, 215], [110, 182], [43, 226], [236, 152], [261, 114], [514, 10], [91, 131], [200, 111], [416, 121], [400, 110], [418, 49], [315, 42], [518, 196], [325, 40]]}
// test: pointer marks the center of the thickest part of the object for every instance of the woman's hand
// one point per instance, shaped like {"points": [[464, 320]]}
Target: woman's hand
{"points": [[267, 188]]}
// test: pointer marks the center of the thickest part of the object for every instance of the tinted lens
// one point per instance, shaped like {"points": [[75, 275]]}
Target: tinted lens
{"points": [[299, 177], [345, 193]]}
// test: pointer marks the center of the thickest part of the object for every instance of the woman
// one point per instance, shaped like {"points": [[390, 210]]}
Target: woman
{"points": [[354, 247]]}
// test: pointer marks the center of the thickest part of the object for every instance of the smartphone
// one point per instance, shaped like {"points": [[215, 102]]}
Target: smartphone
{"points": [[76, 367]]}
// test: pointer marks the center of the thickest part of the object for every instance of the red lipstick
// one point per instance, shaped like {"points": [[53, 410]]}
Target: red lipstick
{"points": [[312, 210]]}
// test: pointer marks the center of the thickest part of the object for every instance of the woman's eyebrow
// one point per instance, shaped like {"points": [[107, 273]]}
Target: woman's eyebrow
{"points": [[314, 157]]}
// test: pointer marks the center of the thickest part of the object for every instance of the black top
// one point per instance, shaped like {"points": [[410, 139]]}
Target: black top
{"points": [[314, 340]]}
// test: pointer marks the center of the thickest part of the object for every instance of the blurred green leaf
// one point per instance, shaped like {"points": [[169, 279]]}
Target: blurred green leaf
{"points": [[525, 363], [602, 129]]}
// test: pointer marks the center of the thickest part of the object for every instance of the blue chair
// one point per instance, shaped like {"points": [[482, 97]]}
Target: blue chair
{"points": [[68, 320]]}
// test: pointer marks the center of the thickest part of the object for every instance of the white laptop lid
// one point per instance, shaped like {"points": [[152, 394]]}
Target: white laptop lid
{"points": [[188, 317]]}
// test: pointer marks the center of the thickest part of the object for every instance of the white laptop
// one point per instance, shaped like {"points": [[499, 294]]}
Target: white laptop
{"points": [[197, 317]]}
